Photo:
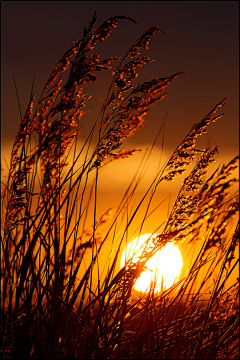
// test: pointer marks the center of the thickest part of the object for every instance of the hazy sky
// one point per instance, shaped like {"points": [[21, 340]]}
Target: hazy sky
{"points": [[202, 38]]}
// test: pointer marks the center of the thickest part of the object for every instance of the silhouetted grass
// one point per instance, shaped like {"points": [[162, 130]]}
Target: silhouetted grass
{"points": [[57, 301]]}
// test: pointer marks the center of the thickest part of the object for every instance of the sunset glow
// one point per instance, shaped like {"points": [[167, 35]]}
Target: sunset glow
{"points": [[164, 267]]}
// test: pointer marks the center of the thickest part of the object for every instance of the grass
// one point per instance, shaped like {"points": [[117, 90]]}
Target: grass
{"points": [[59, 298]]}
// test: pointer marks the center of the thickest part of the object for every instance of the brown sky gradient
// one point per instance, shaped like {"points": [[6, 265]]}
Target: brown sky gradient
{"points": [[202, 38]]}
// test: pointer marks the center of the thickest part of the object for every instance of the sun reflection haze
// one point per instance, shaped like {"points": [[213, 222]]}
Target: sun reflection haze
{"points": [[163, 268]]}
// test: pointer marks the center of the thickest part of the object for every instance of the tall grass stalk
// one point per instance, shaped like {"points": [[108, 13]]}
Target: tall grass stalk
{"points": [[59, 299]]}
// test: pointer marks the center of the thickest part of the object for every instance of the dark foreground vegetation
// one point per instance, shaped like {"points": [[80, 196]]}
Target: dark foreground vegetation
{"points": [[55, 300]]}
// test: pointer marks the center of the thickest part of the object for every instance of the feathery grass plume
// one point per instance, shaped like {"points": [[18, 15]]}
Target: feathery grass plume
{"points": [[122, 115], [209, 202], [63, 294], [186, 152], [187, 200]]}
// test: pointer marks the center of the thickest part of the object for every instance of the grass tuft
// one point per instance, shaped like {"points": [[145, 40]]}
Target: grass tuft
{"points": [[59, 297]]}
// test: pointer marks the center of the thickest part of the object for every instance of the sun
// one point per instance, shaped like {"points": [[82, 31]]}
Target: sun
{"points": [[163, 268]]}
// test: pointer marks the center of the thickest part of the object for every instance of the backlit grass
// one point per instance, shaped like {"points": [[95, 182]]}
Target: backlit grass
{"points": [[63, 293]]}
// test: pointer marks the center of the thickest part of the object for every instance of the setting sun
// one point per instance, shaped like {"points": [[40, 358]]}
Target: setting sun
{"points": [[163, 268]]}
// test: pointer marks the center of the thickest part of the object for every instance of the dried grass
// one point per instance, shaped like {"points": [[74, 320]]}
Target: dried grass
{"points": [[52, 306]]}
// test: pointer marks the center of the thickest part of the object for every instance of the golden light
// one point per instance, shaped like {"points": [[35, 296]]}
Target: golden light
{"points": [[163, 268]]}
